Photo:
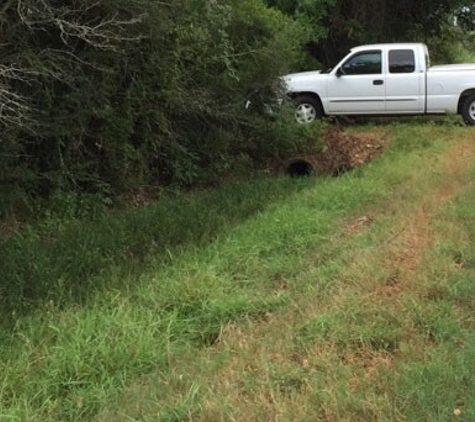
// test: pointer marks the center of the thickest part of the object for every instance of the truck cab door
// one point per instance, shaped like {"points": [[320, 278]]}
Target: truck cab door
{"points": [[358, 85], [405, 83]]}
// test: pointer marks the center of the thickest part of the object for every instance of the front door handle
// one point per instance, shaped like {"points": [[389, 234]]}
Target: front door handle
{"points": [[378, 82]]}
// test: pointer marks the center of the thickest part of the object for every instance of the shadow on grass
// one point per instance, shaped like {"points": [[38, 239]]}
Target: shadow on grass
{"points": [[68, 262]]}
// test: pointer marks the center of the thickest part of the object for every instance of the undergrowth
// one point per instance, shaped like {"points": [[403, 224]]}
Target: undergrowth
{"points": [[127, 316]]}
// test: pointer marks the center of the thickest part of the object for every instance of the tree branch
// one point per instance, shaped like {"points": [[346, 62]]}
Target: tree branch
{"points": [[91, 25], [106, 34]]}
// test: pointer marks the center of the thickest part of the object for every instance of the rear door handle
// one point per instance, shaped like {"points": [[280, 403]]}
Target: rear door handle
{"points": [[378, 82]]}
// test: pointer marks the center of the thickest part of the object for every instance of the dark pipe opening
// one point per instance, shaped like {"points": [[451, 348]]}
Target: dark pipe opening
{"points": [[299, 168]]}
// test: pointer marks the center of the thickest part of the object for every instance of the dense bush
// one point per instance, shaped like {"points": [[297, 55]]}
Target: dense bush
{"points": [[115, 94], [105, 96]]}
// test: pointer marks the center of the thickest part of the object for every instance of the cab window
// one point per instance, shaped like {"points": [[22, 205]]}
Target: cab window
{"points": [[402, 61], [364, 63]]}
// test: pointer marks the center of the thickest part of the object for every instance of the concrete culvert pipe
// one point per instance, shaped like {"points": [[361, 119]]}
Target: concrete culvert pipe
{"points": [[299, 167]]}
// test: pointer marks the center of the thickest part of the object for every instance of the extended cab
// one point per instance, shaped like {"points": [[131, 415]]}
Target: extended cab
{"points": [[384, 79]]}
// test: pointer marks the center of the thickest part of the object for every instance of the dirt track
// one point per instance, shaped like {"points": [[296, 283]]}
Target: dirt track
{"points": [[399, 257]]}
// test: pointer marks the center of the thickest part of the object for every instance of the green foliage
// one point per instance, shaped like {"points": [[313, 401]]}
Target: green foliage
{"points": [[157, 97], [465, 16], [341, 24], [77, 243], [103, 97]]}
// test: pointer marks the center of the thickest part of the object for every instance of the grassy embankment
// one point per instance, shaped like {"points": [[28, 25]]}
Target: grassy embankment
{"points": [[315, 299]]}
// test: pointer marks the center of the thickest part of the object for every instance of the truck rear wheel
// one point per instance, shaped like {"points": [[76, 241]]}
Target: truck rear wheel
{"points": [[307, 109], [468, 110]]}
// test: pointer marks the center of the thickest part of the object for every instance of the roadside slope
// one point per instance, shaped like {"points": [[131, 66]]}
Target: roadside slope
{"points": [[378, 326], [345, 299]]}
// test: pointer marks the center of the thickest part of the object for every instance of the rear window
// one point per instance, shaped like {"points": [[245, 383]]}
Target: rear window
{"points": [[402, 61]]}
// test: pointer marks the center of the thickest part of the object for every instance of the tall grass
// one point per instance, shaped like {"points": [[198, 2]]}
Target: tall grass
{"points": [[89, 308], [69, 260]]}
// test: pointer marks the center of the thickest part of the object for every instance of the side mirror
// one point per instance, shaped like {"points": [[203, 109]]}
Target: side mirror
{"points": [[339, 72]]}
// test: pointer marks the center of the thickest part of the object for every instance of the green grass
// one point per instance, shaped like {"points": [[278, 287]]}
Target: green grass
{"points": [[132, 316], [69, 261]]}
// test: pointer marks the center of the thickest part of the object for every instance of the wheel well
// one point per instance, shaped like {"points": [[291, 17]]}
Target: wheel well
{"points": [[293, 95], [463, 97]]}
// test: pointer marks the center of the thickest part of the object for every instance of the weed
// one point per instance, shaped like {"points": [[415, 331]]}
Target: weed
{"points": [[130, 316]]}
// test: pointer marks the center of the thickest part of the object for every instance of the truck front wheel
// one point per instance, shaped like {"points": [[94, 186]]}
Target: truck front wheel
{"points": [[468, 110], [308, 109]]}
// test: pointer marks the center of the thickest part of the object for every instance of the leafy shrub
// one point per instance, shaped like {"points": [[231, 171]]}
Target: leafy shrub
{"points": [[130, 92]]}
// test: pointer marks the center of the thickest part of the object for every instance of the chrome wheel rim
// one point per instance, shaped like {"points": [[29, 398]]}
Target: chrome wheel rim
{"points": [[306, 113], [471, 110]]}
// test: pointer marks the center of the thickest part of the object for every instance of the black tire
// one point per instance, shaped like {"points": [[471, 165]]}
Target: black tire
{"points": [[307, 109], [468, 110]]}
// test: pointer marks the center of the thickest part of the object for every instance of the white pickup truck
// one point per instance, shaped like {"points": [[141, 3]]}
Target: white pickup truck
{"points": [[384, 79]]}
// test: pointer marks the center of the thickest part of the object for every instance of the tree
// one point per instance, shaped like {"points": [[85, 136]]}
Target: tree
{"points": [[465, 17], [118, 93], [352, 22]]}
